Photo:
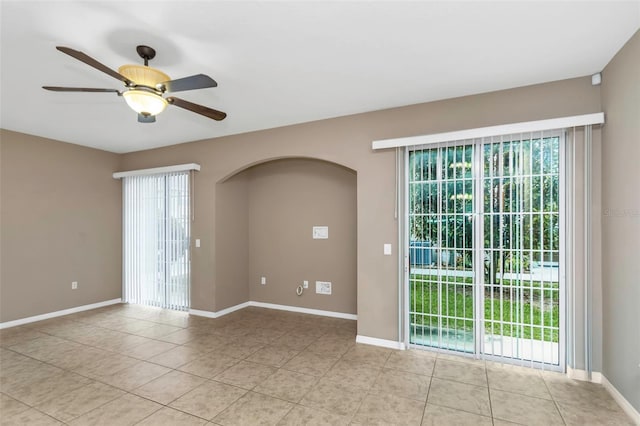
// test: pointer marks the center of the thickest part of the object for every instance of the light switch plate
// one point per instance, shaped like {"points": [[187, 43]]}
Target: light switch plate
{"points": [[197, 242], [387, 249]]}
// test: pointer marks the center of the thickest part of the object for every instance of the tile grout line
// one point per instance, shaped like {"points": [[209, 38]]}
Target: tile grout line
{"points": [[426, 401], [368, 392], [248, 322], [486, 372], [555, 403]]}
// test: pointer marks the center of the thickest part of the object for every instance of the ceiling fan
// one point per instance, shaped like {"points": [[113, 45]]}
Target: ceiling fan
{"points": [[145, 86]]}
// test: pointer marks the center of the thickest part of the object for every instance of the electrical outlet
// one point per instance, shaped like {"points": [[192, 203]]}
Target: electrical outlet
{"points": [[323, 287], [263, 280], [74, 285], [305, 284]]}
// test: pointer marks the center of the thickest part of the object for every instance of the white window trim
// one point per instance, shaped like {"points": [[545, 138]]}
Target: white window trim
{"points": [[157, 170], [503, 129]]}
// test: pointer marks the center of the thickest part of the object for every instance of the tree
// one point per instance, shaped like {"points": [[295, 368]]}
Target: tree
{"points": [[441, 199], [520, 196], [520, 203]]}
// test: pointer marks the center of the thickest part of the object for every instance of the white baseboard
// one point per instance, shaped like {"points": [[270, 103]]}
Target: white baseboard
{"points": [[55, 314], [622, 401], [218, 314], [319, 312], [199, 313], [392, 344], [583, 375], [226, 311]]}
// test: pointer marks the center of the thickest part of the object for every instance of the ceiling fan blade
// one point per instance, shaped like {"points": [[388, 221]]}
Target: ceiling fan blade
{"points": [[146, 118], [80, 89], [198, 109], [198, 81], [83, 57]]}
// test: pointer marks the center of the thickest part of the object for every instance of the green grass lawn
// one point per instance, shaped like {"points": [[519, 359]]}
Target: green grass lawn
{"points": [[518, 303]]}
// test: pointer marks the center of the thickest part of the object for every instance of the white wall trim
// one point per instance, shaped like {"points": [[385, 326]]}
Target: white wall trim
{"points": [[392, 344], [319, 312], [55, 314], [622, 401], [503, 129], [218, 314], [199, 313], [157, 170], [583, 375], [596, 377], [226, 311], [230, 309]]}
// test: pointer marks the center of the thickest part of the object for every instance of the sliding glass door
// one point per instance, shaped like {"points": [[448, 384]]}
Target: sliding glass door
{"points": [[157, 222], [441, 195], [484, 248], [521, 235]]}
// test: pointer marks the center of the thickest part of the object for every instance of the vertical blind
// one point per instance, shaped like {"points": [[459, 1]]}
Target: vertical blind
{"points": [[157, 221]]}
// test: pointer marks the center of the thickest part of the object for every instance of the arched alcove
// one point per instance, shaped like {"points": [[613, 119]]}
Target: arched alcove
{"points": [[264, 218]]}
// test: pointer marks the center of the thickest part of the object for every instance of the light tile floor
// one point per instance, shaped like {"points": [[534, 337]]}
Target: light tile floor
{"points": [[127, 364]]}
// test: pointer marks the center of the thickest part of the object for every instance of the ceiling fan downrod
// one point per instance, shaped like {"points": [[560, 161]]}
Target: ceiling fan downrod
{"points": [[147, 53]]}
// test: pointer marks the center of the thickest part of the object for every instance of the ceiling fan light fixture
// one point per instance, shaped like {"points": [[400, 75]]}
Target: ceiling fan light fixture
{"points": [[145, 102]]}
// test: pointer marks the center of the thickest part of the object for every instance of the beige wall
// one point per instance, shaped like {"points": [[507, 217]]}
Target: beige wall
{"points": [[286, 199], [347, 141], [232, 240], [60, 222], [621, 221], [264, 217]]}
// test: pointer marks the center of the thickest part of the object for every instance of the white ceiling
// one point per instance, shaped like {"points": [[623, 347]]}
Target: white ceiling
{"points": [[280, 63]]}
